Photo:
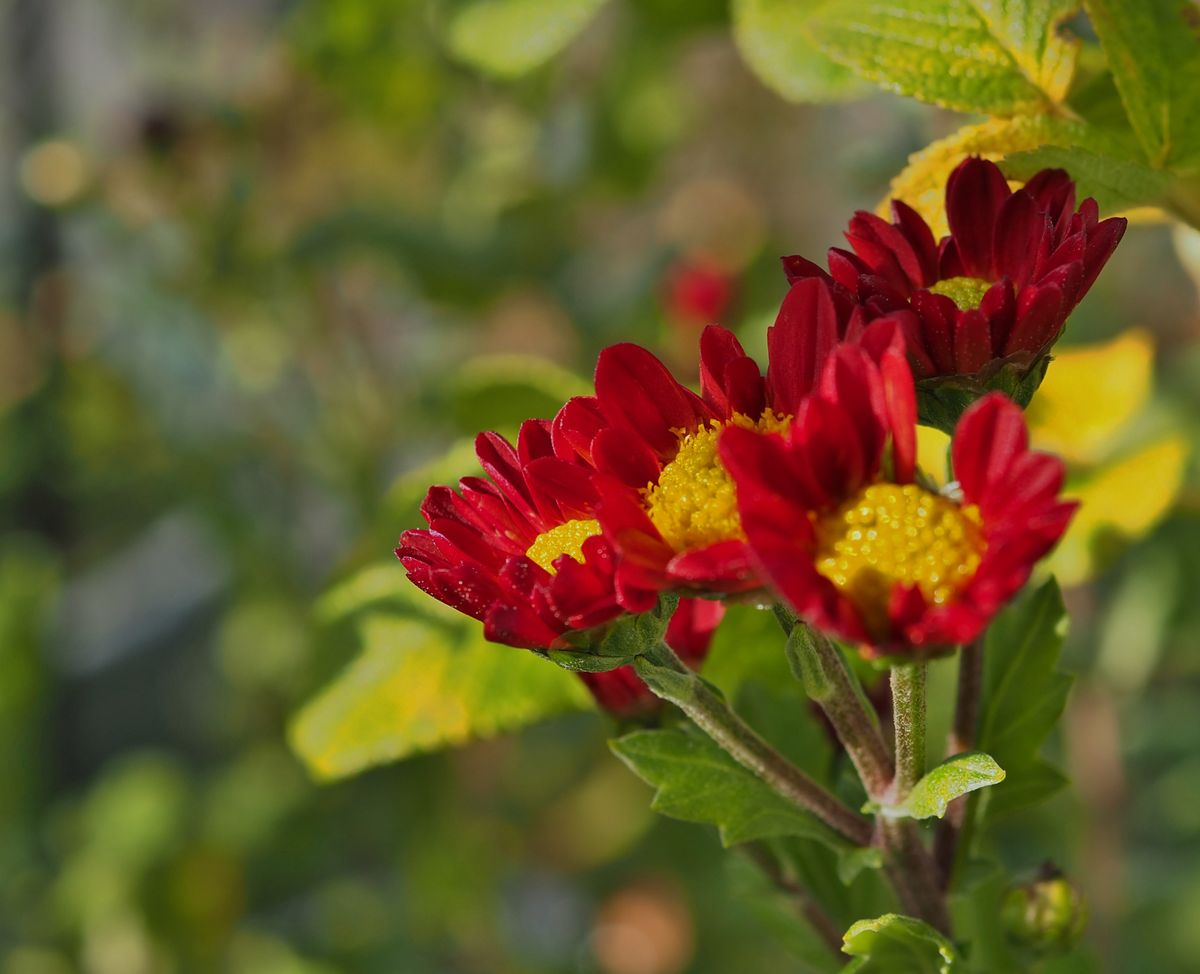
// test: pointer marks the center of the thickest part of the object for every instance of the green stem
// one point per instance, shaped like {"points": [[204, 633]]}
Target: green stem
{"points": [[670, 679], [821, 922], [828, 681], [908, 713], [952, 829], [911, 868]]}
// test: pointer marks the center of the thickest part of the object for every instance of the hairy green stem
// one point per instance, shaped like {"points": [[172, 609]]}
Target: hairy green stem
{"points": [[830, 684], [670, 679], [962, 738], [908, 714], [911, 868]]}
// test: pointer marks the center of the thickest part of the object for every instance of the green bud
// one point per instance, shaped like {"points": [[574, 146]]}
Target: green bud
{"points": [[1048, 914]]}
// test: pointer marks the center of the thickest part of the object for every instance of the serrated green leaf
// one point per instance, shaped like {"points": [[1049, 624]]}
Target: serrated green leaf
{"points": [[773, 38], [1153, 49], [416, 688], [1117, 184], [1023, 694], [951, 779], [508, 38], [944, 52], [696, 781], [892, 944]]}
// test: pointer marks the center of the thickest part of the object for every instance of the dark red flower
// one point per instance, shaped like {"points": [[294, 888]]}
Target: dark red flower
{"points": [[858, 546], [997, 290], [666, 501], [521, 550]]}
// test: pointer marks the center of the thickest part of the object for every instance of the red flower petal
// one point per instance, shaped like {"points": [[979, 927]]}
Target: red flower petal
{"points": [[804, 333], [975, 192], [988, 438]]}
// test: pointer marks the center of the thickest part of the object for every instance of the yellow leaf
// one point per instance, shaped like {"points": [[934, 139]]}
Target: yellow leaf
{"points": [[922, 183], [416, 688], [1090, 393], [1127, 497], [933, 453]]}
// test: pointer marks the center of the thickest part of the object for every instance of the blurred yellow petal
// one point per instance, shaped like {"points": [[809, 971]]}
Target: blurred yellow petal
{"points": [[932, 453], [1090, 393], [1127, 497]]}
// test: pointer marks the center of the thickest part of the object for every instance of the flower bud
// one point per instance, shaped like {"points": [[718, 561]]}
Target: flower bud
{"points": [[1048, 914]]}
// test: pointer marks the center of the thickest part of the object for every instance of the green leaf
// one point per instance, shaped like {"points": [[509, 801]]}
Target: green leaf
{"points": [[501, 391], [416, 688], [951, 779], [1029, 31], [773, 37], [946, 53], [508, 38], [699, 782], [1023, 695], [892, 944], [1153, 49], [1116, 183]]}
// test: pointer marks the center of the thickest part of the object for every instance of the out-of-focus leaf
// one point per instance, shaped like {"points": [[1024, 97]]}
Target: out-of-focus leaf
{"points": [[1153, 49], [891, 944], [1023, 694], [508, 38], [944, 52], [1116, 183], [500, 391], [698, 782], [1124, 498], [951, 779], [404, 497], [1090, 393], [380, 583], [747, 646], [415, 688], [773, 38]]}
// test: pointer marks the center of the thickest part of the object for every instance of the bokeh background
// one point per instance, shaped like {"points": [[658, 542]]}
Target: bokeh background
{"points": [[261, 264]]}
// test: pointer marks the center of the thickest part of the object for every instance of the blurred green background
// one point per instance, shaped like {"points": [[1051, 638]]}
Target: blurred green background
{"points": [[261, 263]]}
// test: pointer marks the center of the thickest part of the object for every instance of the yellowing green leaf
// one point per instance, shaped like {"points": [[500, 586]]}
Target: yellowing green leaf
{"points": [[1029, 30], [772, 36], [946, 53], [1127, 497], [953, 778], [1090, 393], [1153, 49], [418, 688], [507, 38], [933, 452]]}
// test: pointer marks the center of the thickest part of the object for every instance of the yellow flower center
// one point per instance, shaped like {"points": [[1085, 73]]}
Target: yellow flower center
{"points": [[891, 533], [966, 292], [564, 539], [694, 503]]}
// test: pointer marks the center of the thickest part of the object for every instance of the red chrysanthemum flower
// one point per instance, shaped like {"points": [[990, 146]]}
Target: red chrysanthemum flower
{"points": [[858, 545], [521, 551], [667, 503], [996, 292]]}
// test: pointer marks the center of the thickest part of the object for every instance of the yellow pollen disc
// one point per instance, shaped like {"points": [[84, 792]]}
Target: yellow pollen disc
{"points": [[694, 503], [966, 292], [894, 533], [564, 539]]}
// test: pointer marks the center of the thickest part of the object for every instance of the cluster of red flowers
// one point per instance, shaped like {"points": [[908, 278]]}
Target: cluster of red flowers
{"points": [[800, 484]]}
